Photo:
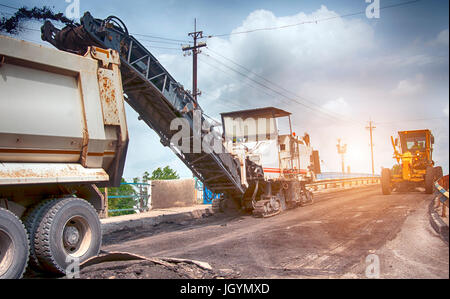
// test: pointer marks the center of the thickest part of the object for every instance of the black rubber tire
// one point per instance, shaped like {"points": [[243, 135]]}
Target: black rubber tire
{"points": [[49, 248], [429, 180], [31, 219], [438, 173], [12, 230], [386, 181]]}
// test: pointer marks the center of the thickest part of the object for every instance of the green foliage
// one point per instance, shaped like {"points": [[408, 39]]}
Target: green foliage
{"points": [[121, 203], [146, 177], [166, 173]]}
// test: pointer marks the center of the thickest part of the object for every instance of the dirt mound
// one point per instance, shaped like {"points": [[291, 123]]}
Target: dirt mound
{"points": [[124, 265], [144, 270]]}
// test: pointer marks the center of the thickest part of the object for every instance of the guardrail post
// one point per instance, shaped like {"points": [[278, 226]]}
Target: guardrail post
{"points": [[141, 199], [105, 212]]}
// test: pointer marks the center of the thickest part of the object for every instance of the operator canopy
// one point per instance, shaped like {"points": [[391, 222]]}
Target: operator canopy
{"points": [[252, 124]]}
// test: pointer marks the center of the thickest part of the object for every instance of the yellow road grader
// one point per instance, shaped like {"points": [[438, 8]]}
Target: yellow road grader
{"points": [[415, 167]]}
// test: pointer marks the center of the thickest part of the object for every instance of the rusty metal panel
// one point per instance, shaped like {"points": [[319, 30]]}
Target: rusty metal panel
{"points": [[108, 97], [39, 173], [57, 107]]}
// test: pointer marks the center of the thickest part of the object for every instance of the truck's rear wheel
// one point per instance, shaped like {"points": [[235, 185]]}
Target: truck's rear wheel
{"points": [[386, 181], [68, 233], [429, 180], [31, 220], [13, 246]]}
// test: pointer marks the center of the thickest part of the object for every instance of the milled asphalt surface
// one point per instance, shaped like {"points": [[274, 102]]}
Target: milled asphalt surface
{"points": [[329, 239]]}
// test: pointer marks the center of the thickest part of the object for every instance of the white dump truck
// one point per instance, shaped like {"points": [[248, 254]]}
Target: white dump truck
{"points": [[63, 133]]}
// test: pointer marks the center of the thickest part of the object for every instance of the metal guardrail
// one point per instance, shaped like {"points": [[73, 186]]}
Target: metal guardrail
{"points": [[339, 175], [326, 179], [142, 198], [344, 181], [441, 189]]}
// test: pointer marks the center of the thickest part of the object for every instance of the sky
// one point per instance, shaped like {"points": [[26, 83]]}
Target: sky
{"points": [[334, 75]]}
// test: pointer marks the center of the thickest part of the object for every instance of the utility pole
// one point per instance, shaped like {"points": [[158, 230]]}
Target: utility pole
{"points": [[195, 50], [342, 149], [370, 128]]}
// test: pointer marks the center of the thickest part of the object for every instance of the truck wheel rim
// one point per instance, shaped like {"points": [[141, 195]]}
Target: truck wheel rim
{"points": [[6, 252], [77, 236]]}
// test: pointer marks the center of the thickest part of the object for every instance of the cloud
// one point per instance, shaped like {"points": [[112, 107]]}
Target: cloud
{"points": [[339, 106], [338, 67], [442, 38], [446, 110], [409, 87]]}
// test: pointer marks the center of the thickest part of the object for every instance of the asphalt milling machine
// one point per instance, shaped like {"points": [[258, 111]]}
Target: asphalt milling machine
{"points": [[64, 134], [263, 174]]}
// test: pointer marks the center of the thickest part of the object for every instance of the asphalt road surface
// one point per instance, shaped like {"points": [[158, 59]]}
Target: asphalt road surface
{"points": [[349, 234]]}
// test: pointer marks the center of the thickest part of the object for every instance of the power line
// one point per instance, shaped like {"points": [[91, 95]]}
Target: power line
{"points": [[312, 21], [148, 45], [370, 128], [165, 48], [231, 76], [273, 90], [8, 6], [6, 12], [138, 34], [259, 89], [195, 50], [277, 85], [159, 37], [333, 117], [158, 47], [410, 120], [160, 42]]}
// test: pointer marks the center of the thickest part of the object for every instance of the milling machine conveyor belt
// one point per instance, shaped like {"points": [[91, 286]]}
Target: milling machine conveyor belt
{"points": [[153, 93]]}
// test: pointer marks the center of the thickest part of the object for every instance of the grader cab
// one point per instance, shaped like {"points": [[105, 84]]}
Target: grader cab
{"points": [[415, 167]]}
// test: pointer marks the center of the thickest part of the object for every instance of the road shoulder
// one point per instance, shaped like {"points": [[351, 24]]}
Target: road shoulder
{"points": [[417, 251]]}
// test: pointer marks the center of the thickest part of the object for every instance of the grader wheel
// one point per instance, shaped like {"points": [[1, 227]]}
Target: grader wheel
{"points": [[386, 181], [429, 179]]}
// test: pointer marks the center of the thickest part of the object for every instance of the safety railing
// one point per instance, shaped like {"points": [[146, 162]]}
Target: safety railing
{"points": [[344, 182], [139, 195], [441, 190], [340, 175]]}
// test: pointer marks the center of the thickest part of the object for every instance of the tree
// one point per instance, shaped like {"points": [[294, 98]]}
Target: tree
{"points": [[166, 173], [146, 177], [124, 202]]}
